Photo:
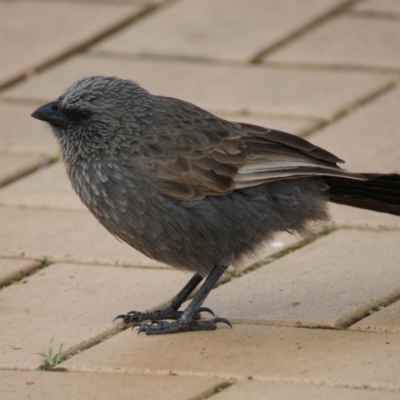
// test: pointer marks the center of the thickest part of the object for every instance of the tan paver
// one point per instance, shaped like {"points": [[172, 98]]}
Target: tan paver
{"points": [[346, 40], [326, 283], [12, 165], [368, 139], [255, 89], [48, 188], [350, 217], [378, 6], [217, 29], [72, 304], [385, 320], [287, 354], [279, 391], [16, 385], [55, 29], [63, 235], [20, 133], [13, 269]]}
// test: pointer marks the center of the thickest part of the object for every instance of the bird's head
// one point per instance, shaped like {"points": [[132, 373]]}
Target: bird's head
{"points": [[96, 111]]}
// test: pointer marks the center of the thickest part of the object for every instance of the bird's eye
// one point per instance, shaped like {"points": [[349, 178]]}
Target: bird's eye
{"points": [[78, 115], [84, 114]]}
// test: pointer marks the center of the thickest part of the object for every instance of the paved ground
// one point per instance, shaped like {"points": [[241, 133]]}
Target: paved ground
{"points": [[315, 319]]}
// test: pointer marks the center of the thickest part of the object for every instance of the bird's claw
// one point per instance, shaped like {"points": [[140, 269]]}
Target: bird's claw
{"points": [[164, 327], [164, 313]]}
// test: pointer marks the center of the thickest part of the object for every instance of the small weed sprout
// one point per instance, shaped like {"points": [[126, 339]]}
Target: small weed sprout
{"points": [[50, 360]]}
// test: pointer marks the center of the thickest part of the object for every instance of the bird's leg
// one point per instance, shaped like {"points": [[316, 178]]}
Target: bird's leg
{"points": [[187, 320], [170, 311]]}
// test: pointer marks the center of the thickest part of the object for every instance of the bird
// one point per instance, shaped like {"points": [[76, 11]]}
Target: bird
{"points": [[193, 190]]}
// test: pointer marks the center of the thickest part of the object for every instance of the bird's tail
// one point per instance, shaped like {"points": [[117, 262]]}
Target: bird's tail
{"points": [[379, 192]]}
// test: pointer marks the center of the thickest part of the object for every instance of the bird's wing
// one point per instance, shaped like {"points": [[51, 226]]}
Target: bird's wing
{"points": [[213, 157]]}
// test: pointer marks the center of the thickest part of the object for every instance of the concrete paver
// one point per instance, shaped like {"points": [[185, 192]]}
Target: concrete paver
{"points": [[385, 320], [21, 134], [56, 29], [16, 385], [378, 6], [63, 235], [264, 352], [72, 304], [12, 165], [253, 390], [368, 139], [346, 40], [216, 29], [11, 269], [334, 280], [330, 282], [48, 188], [350, 217], [254, 89]]}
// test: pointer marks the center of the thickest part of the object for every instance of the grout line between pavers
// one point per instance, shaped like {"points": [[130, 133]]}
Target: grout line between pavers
{"points": [[381, 304], [330, 67], [47, 161], [25, 274], [22, 174], [218, 389], [382, 15], [363, 227], [258, 58]]}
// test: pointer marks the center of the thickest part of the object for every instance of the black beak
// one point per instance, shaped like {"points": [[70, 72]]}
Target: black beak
{"points": [[52, 114]]}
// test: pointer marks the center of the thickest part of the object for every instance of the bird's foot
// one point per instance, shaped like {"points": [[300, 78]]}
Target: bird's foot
{"points": [[180, 325], [168, 312]]}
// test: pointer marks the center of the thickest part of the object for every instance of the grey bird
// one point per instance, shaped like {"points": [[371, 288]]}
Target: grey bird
{"points": [[192, 190]]}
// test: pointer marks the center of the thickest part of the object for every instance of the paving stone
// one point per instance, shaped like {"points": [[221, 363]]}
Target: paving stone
{"points": [[13, 269], [20, 133], [218, 87], [369, 141], [63, 235], [205, 29], [350, 217], [378, 6], [16, 385], [288, 354], [385, 320], [56, 29], [48, 188], [12, 165], [330, 282], [71, 304], [286, 391], [346, 40]]}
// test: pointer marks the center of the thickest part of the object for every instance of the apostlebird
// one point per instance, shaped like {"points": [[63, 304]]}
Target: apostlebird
{"points": [[193, 190]]}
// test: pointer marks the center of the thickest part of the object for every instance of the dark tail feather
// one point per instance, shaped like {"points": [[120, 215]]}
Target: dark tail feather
{"points": [[380, 192]]}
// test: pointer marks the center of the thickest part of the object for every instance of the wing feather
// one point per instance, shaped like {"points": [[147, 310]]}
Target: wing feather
{"points": [[204, 155]]}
